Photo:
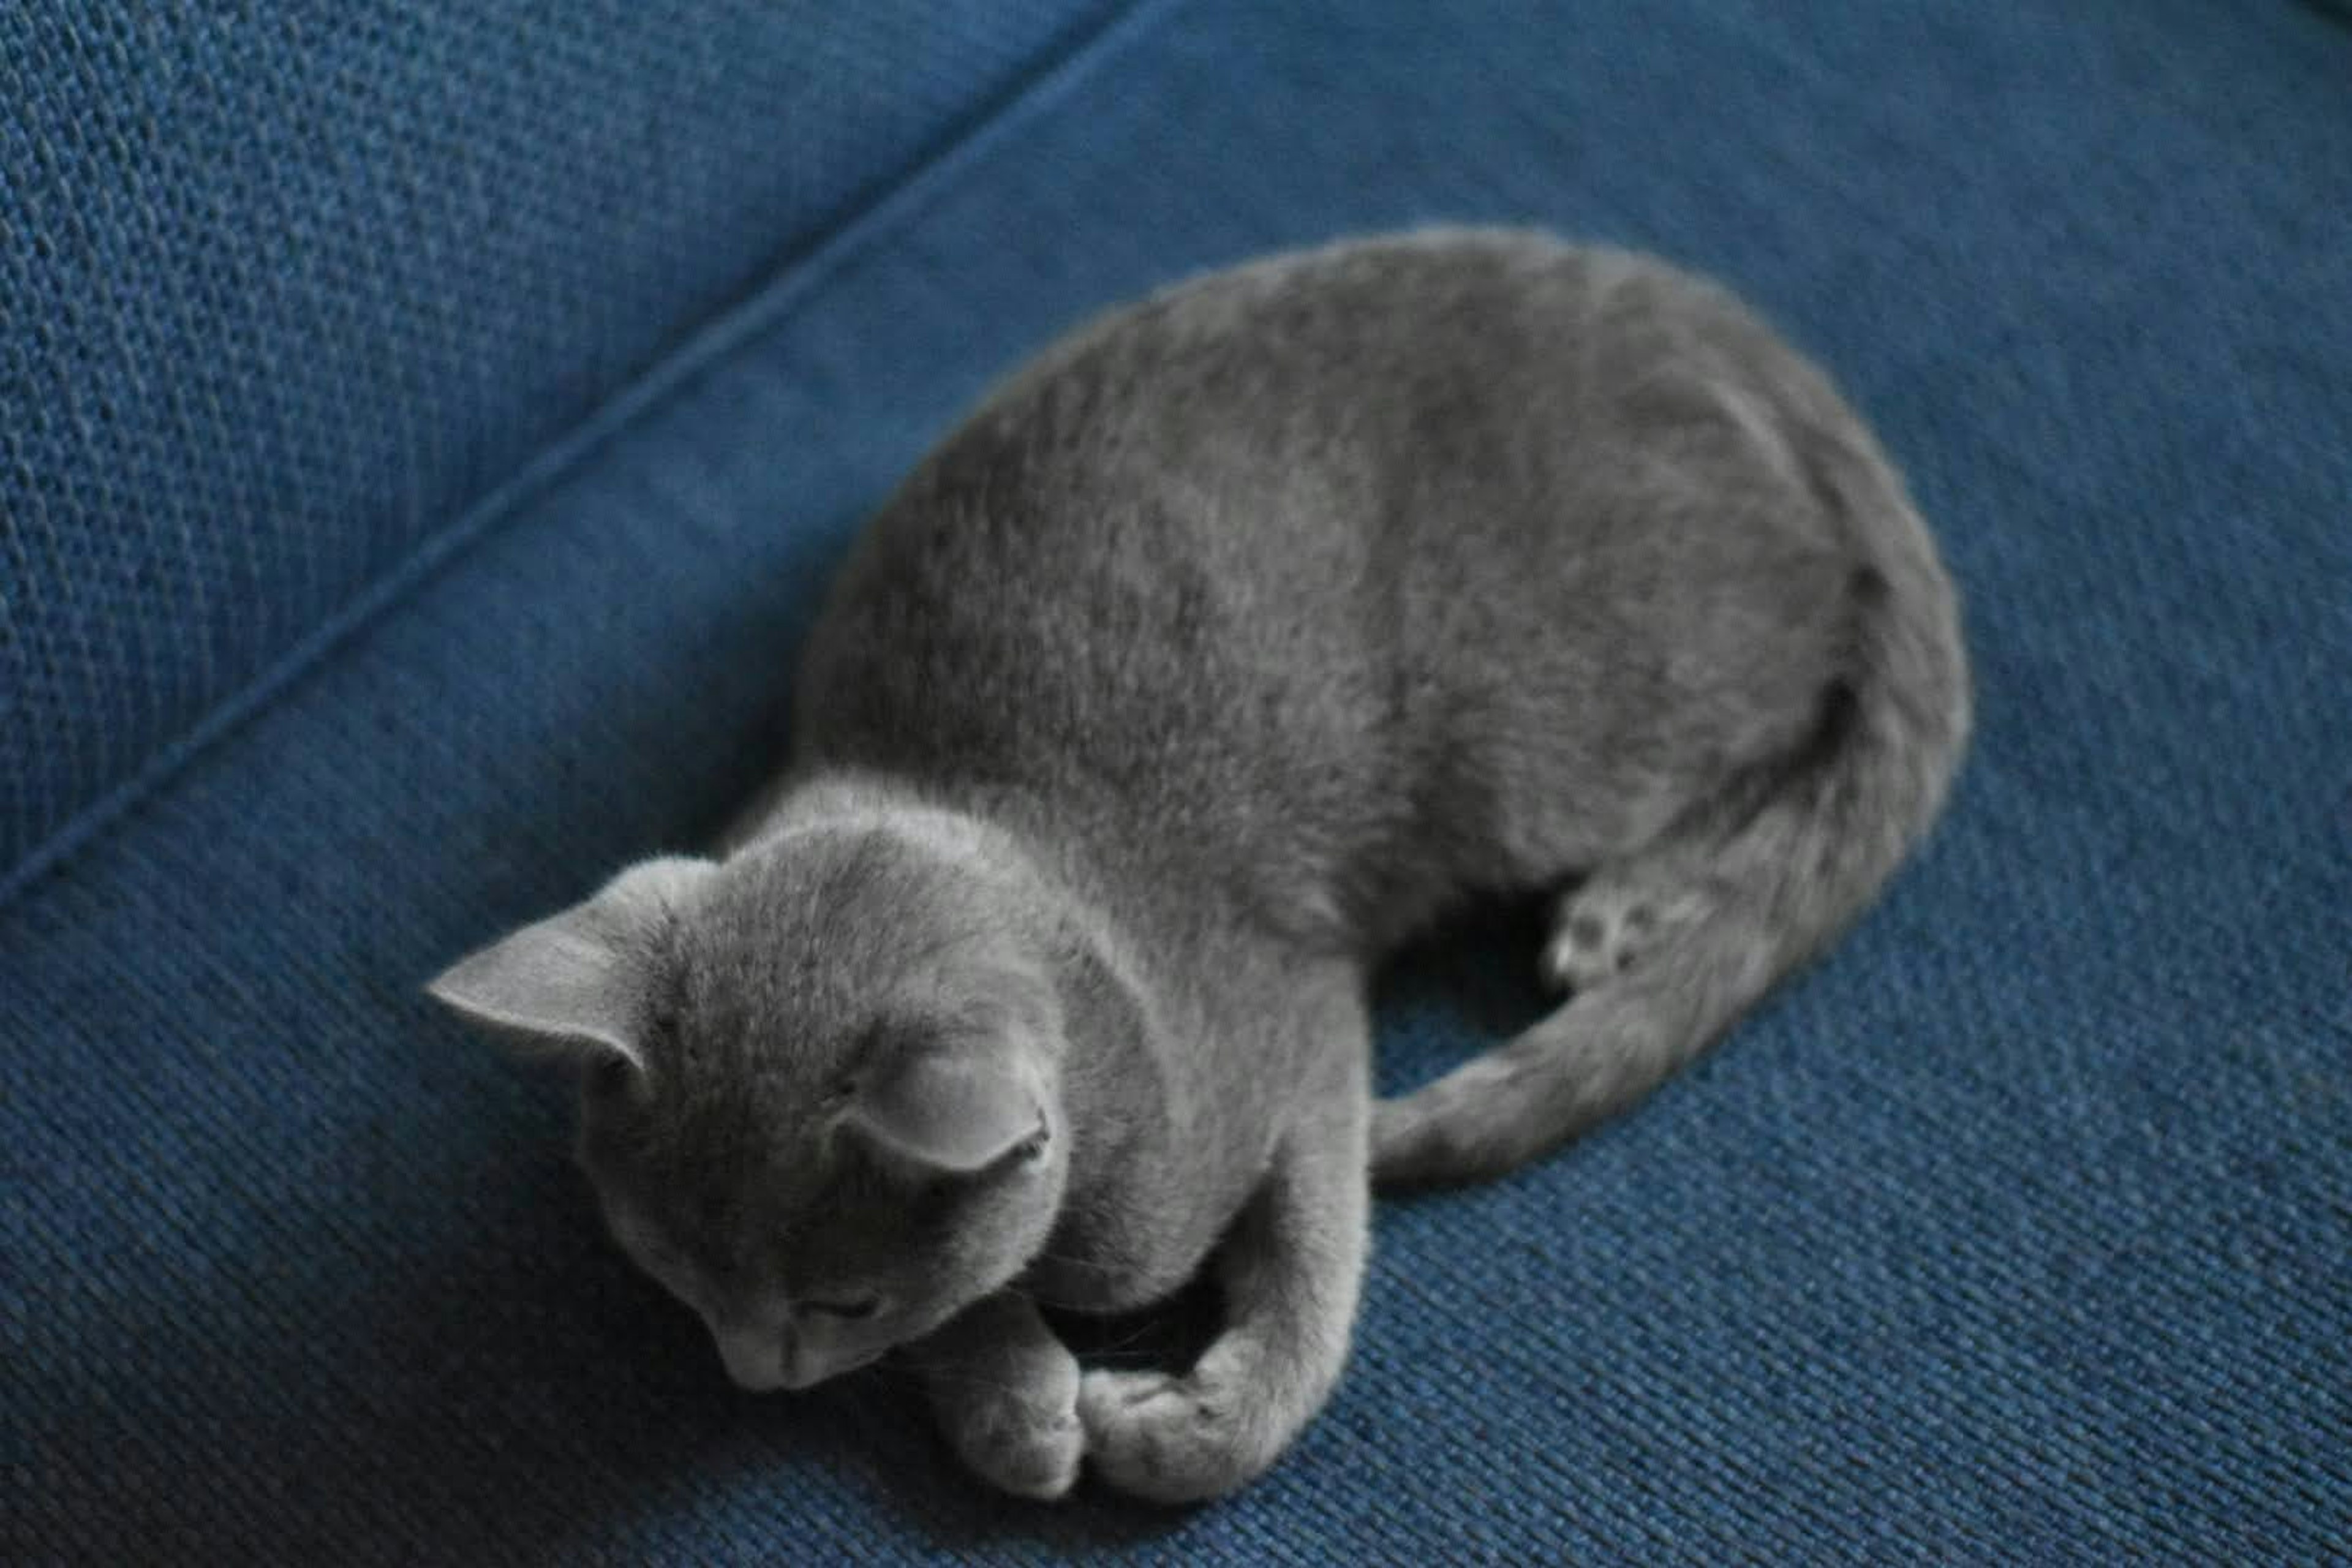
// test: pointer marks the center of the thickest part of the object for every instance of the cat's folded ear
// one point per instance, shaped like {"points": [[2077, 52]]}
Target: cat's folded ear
{"points": [[955, 1108], [580, 984]]}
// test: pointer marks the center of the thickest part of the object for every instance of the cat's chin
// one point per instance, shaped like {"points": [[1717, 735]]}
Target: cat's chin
{"points": [[789, 1379], [759, 1363], [842, 1369]]}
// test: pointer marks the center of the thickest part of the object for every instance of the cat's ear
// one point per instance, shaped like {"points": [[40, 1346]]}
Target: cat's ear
{"points": [[580, 984], [954, 1109]]}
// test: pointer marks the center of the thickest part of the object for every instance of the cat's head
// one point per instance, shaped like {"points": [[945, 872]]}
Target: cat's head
{"points": [[819, 1084]]}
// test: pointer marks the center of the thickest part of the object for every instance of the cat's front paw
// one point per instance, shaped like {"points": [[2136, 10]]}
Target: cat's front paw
{"points": [[1025, 1435], [1170, 1438]]}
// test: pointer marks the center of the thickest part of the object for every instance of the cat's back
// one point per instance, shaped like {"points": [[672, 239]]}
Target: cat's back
{"points": [[1262, 550]]}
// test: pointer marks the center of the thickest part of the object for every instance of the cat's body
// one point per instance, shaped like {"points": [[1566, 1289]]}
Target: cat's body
{"points": [[1223, 648]]}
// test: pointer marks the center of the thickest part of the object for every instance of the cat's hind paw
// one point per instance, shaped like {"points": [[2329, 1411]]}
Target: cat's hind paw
{"points": [[1608, 926], [1168, 1438]]}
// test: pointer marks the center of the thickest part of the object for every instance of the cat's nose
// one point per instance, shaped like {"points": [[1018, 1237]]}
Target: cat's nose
{"points": [[754, 1359]]}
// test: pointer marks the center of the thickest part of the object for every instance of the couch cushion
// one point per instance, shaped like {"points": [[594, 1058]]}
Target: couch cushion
{"points": [[286, 287], [2015, 1231]]}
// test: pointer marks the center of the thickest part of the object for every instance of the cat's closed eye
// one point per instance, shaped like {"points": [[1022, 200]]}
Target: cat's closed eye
{"points": [[848, 1310]]}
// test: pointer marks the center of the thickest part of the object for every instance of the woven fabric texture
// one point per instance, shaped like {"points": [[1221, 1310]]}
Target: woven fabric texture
{"points": [[283, 287], [2015, 1231]]}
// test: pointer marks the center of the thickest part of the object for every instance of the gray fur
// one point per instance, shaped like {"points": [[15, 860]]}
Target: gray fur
{"points": [[1224, 646]]}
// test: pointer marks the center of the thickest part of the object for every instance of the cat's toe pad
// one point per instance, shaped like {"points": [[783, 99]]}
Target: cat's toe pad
{"points": [[1168, 1439], [1038, 1461], [1607, 927]]}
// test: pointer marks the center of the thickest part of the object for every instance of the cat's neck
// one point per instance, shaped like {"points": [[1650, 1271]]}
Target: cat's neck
{"points": [[1113, 1074]]}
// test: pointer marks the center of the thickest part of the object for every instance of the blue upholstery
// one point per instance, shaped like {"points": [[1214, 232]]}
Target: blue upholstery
{"points": [[2018, 1230], [297, 285]]}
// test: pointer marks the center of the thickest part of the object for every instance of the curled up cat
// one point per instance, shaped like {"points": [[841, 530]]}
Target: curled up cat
{"points": [[1222, 648]]}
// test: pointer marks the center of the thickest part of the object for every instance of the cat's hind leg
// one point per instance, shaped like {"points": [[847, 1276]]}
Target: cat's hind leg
{"points": [[1661, 952], [1613, 919], [1291, 1268], [1665, 948]]}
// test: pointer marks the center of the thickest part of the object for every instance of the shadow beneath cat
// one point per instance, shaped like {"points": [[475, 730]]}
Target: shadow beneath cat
{"points": [[1464, 986]]}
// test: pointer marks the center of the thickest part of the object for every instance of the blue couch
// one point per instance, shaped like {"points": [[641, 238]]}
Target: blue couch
{"points": [[424, 430]]}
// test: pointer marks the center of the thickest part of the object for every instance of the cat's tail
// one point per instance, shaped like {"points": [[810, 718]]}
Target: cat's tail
{"points": [[1742, 892]]}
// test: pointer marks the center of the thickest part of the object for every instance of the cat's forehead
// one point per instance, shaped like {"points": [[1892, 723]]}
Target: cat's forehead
{"points": [[710, 1165], [824, 931]]}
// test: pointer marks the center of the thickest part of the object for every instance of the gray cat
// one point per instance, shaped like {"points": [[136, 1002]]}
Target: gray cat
{"points": [[1223, 648]]}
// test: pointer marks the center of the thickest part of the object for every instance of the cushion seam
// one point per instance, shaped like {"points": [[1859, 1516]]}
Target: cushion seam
{"points": [[814, 265]]}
